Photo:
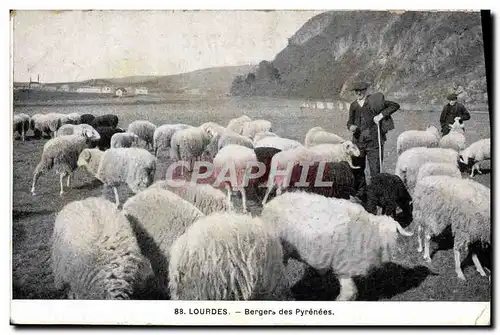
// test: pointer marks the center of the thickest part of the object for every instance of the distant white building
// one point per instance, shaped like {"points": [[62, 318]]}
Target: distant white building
{"points": [[320, 105], [106, 89], [64, 88], [141, 90], [88, 89]]}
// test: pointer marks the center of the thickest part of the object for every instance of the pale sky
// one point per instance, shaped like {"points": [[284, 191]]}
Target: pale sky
{"points": [[79, 45]]}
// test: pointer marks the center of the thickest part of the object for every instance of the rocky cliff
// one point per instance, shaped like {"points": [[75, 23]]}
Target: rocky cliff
{"points": [[411, 56]]}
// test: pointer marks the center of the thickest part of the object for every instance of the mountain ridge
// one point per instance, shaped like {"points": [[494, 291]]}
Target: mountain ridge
{"points": [[411, 56]]}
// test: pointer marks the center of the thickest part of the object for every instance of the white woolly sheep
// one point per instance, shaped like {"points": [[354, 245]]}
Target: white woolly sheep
{"points": [[455, 139], [280, 143], [205, 197], [219, 141], [144, 129], [188, 145], [284, 161], [475, 153], [163, 136], [47, 123], [230, 137], [337, 152], [438, 169], [263, 134], [462, 204], [124, 140], [428, 138], [61, 153], [158, 218], [226, 256], [74, 118], [324, 153], [410, 161], [95, 254], [80, 129], [236, 124], [135, 167], [318, 135], [250, 129], [239, 161], [332, 234], [21, 124], [213, 128]]}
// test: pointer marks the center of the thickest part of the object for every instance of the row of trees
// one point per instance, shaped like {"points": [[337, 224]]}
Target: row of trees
{"points": [[266, 79]]}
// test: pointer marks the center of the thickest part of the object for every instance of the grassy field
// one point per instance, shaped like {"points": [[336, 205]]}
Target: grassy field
{"points": [[407, 278]]}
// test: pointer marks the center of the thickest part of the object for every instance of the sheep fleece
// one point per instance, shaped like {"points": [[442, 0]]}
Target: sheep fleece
{"points": [[159, 217], [463, 204], [134, 166], [205, 197], [226, 257], [95, 252], [326, 233]]}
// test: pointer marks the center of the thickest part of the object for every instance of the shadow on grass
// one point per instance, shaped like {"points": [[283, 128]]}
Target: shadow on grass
{"points": [[95, 183], [17, 215], [384, 282]]}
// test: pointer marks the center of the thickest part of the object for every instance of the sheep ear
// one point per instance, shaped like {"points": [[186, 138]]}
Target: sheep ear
{"points": [[461, 159]]}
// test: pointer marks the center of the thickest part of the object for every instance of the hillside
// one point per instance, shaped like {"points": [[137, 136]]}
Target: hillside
{"points": [[411, 56], [214, 81]]}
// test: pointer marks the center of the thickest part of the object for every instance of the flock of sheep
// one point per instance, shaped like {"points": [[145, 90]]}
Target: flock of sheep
{"points": [[191, 243]]}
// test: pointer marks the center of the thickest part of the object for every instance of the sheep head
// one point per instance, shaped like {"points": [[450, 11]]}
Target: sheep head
{"points": [[350, 149], [457, 126], [433, 130], [90, 158], [91, 133], [463, 165]]}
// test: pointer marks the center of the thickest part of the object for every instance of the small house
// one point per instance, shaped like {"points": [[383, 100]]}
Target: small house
{"points": [[120, 92]]}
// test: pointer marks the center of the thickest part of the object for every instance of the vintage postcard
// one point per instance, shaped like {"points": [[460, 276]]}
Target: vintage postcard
{"points": [[251, 167]]}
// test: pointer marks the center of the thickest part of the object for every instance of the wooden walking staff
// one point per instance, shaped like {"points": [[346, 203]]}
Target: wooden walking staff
{"points": [[379, 148]]}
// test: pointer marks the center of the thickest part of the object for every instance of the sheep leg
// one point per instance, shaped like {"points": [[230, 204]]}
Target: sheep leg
{"points": [[229, 203], [61, 181], [244, 199], [117, 198], [279, 190], [479, 268], [458, 268], [475, 168], [269, 189], [348, 290], [68, 184], [427, 246], [419, 238], [36, 175]]}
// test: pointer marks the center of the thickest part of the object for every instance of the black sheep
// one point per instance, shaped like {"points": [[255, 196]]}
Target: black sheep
{"points": [[389, 192], [264, 156], [106, 133], [339, 174], [87, 118], [107, 120]]}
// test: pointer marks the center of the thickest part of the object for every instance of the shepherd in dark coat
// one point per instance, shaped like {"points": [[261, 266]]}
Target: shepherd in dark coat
{"points": [[450, 111], [365, 114]]}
